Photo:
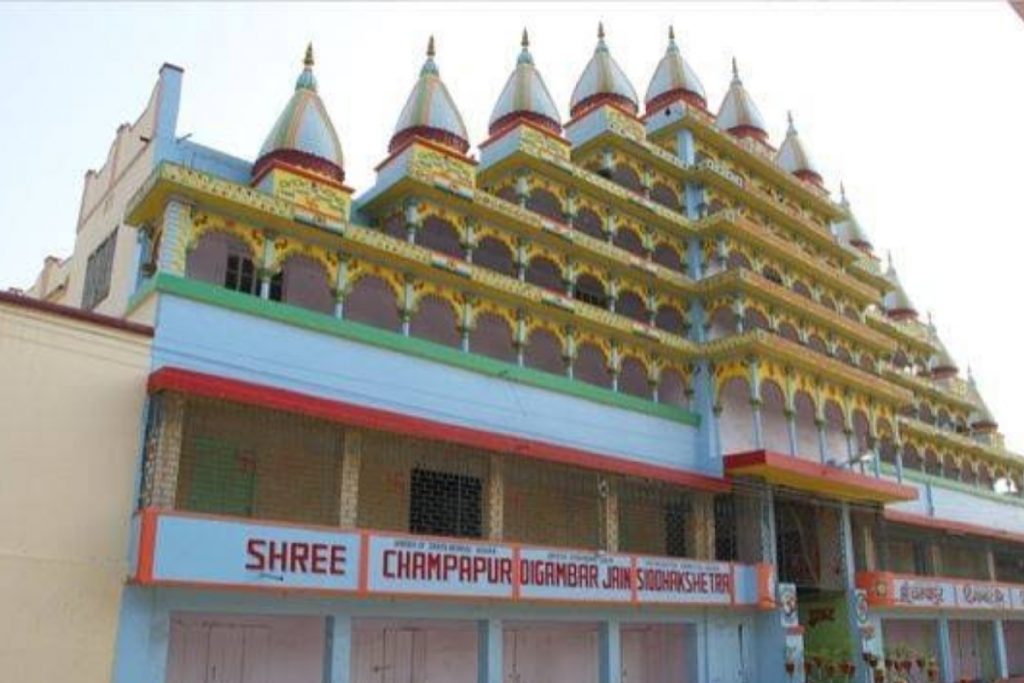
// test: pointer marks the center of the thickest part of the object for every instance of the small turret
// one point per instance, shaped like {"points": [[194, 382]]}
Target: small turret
{"points": [[525, 97], [793, 157], [896, 302], [430, 112], [674, 80], [602, 81], [738, 114], [303, 135]]}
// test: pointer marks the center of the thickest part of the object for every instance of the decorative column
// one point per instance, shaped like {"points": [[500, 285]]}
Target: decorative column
{"points": [[755, 404], [609, 652], [791, 429], [945, 658], [520, 337], [490, 643], [163, 451], [495, 498], [522, 259], [469, 239], [465, 325], [408, 296], [341, 284], [570, 351], [700, 531], [819, 422], [266, 263], [413, 220], [609, 492], [351, 464], [176, 233], [337, 648], [610, 227]]}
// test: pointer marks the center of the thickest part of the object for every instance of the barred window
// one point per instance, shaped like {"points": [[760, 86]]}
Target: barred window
{"points": [[725, 529], [97, 272], [445, 504]]}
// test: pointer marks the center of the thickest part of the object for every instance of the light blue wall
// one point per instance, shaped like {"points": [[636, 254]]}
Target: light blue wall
{"points": [[213, 340], [961, 506]]}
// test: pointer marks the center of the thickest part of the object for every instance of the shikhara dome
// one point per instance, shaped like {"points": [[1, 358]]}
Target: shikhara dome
{"points": [[738, 113], [603, 80], [303, 134], [849, 230], [896, 301], [793, 157], [430, 112], [674, 79], [525, 96]]}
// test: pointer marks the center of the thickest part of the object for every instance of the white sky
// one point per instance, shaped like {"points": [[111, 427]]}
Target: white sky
{"points": [[917, 107]]}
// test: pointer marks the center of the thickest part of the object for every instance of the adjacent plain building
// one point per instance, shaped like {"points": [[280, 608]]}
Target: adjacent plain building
{"points": [[627, 397]]}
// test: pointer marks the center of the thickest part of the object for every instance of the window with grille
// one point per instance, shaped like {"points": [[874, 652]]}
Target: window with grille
{"points": [[725, 528], [675, 528], [445, 504], [97, 272]]}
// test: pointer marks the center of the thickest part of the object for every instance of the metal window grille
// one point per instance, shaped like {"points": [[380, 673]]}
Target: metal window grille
{"points": [[98, 269]]}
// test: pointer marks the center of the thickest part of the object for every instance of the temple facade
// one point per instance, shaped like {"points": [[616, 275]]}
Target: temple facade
{"points": [[626, 397]]}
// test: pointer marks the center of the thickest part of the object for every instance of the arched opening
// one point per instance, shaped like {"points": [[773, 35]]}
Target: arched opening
{"points": [[843, 354], [772, 274], [440, 235], [394, 225], [632, 305], [305, 283], [788, 331], [633, 378], [436, 320], [835, 436], [591, 365], [850, 312], [861, 432], [801, 288], [807, 446], [925, 413], [736, 422], [670, 319], [545, 273], [943, 420], [372, 302], [629, 240], [886, 444], [828, 302], [589, 223], [545, 203], [509, 194], [816, 343], [665, 195], [912, 458], [493, 254], [753, 319], [544, 352], [738, 260], [625, 175], [668, 256], [867, 362], [492, 336], [774, 425], [590, 290], [900, 360], [672, 387], [224, 260], [723, 322], [932, 462]]}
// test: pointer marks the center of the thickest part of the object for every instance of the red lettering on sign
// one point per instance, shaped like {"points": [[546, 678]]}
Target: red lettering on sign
{"points": [[296, 557]]}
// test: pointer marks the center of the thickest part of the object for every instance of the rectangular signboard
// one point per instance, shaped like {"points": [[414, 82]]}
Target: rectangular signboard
{"points": [[189, 549], [680, 581], [574, 575], [901, 590], [424, 566], [923, 593], [238, 553]]}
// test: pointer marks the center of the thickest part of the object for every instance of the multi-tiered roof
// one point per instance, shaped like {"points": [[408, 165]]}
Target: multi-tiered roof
{"points": [[602, 247]]}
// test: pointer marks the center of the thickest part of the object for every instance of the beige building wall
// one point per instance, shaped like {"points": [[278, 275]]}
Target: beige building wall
{"points": [[70, 418], [105, 196]]}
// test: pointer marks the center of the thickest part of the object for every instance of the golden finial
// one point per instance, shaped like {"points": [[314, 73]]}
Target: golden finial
{"points": [[600, 30], [430, 47], [308, 60], [525, 42], [671, 33], [735, 70], [789, 119]]}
